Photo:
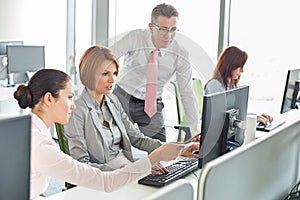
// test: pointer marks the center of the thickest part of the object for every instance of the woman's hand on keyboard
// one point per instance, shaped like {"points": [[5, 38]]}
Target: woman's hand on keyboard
{"points": [[159, 169], [189, 151], [196, 138], [166, 152], [264, 118]]}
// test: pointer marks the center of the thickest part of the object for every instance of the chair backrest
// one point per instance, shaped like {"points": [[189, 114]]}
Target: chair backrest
{"points": [[181, 189], [198, 89], [63, 145], [62, 141]]}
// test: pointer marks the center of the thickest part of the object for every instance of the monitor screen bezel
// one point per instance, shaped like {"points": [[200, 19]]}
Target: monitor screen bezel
{"points": [[217, 136], [289, 94]]}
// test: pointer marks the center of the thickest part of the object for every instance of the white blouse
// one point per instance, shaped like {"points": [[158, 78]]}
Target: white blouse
{"points": [[48, 160]]}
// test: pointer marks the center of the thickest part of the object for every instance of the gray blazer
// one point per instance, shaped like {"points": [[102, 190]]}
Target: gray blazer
{"points": [[87, 143]]}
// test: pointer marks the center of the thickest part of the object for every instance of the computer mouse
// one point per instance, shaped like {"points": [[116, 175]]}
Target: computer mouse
{"points": [[260, 125], [196, 152]]}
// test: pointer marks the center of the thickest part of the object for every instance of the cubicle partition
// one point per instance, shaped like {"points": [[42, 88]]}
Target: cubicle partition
{"points": [[267, 168], [15, 139]]}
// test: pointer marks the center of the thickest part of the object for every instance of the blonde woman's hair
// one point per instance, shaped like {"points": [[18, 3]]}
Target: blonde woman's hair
{"points": [[90, 62]]}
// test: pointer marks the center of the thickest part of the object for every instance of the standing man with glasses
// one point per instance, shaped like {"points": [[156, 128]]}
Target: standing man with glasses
{"points": [[138, 47]]}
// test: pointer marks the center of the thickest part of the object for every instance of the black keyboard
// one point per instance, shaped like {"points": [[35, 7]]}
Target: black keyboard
{"points": [[177, 170]]}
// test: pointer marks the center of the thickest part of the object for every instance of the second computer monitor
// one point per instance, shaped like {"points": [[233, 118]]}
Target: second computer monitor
{"points": [[23, 59], [4, 44], [291, 90], [223, 117]]}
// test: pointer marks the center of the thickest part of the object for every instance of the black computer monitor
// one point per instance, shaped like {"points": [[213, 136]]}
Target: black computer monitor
{"points": [[4, 44], [15, 157], [291, 90], [22, 59], [223, 123]]}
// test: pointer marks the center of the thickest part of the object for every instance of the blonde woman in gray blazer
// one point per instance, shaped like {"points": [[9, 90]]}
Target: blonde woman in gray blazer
{"points": [[99, 132]]}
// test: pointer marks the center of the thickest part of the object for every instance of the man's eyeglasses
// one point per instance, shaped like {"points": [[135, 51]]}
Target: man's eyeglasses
{"points": [[165, 31]]}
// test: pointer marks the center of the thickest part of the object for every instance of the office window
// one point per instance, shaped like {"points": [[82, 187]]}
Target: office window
{"points": [[82, 38], [268, 32], [83, 27]]}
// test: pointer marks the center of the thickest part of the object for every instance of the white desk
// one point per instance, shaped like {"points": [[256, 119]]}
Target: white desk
{"points": [[136, 191], [290, 117], [133, 191], [8, 105]]}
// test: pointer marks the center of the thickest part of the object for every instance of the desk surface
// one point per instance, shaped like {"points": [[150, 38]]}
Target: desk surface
{"points": [[290, 117], [8, 105], [134, 191], [139, 192]]}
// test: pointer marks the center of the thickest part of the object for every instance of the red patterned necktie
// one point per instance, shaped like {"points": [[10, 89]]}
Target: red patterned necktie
{"points": [[150, 98]]}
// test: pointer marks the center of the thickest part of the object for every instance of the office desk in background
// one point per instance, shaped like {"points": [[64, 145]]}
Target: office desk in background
{"points": [[8, 105], [257, 175]]}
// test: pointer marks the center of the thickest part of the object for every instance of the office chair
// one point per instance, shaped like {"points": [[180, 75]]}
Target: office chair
{"points": [[63, 145], [199, 91]]}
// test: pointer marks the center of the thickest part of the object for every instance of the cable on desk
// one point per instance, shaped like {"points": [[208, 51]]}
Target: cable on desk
{"points": [[196, 175], [294, 193]]}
